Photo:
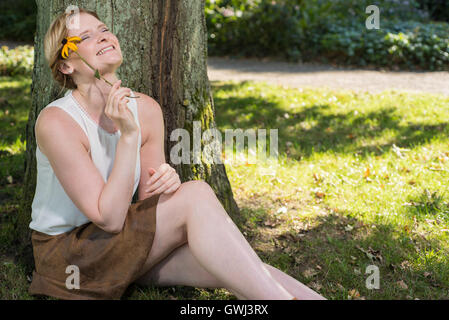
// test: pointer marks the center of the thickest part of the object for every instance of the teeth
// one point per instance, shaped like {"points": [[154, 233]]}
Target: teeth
{"points": [[104, 50]]}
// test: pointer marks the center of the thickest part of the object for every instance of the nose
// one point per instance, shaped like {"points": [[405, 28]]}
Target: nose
{"points": [[102, 37]]}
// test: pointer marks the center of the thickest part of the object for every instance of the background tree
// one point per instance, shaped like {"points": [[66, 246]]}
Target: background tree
{"points": [[164, 45]]}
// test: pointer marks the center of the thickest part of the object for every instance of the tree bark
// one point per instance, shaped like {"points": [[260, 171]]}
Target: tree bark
{"points": [[164, 45]]}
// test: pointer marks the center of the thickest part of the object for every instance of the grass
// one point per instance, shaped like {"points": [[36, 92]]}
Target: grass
{"points": [[360, 180]]}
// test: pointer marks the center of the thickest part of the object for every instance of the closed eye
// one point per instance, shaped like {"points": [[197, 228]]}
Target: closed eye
{"points": [[88, 37]]}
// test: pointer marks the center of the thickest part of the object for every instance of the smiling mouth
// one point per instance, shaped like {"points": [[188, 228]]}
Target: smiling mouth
{"points": [[101, 52]]}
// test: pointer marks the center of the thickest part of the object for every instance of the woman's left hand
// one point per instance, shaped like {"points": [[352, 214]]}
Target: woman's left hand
{"points": [[164, 180]]}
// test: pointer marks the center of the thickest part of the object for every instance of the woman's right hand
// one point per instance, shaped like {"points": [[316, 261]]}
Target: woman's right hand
{"points": [[118, 111]]}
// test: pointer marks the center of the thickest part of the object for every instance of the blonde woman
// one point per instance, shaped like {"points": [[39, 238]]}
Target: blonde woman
{"points": [[95, 147]]}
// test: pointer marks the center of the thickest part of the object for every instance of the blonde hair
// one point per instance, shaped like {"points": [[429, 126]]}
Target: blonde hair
{"points": [[53, 46]]}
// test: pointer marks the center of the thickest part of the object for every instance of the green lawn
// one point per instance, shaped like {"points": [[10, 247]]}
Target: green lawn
{"points": [[360, 180]]}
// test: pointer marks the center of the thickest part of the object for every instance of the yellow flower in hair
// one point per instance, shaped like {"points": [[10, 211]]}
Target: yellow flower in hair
{"points": [[69, 44]]}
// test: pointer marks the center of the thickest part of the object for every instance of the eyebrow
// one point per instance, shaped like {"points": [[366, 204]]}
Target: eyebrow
{"points": [[99, 26]]}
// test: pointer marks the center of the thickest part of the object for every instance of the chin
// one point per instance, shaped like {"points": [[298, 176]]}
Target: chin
{"points": [[109, 64]]}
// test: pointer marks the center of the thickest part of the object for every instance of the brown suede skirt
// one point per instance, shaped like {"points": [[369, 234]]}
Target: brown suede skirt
{"points": [[108, 263]]}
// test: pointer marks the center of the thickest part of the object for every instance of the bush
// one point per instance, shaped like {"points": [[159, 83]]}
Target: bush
{"points": [[391, 10], [257, 34], [18, 20], [16, 61], [319, 29], [265, 28], [408, 45], [438, 9]]}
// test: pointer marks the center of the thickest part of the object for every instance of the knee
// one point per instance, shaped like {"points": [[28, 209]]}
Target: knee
{"points": [[192, 192], [198, 192], [198, 189]]}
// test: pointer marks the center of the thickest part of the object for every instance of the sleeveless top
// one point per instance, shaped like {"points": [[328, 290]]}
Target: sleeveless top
{"points": [[52, 210]]}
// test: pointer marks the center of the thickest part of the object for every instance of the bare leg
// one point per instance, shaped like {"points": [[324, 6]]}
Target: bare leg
{"points": [[218, 245], [182, 268], [193, 214], [296, 288]]}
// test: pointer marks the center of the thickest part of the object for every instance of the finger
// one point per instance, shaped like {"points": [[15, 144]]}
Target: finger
{"points": [[162, 180], [170, 190], [114, 98], [122, 92], [173, 184], [122, 100], [154, 178], [158, 174], [172, 187], [171, 181], [117, 97], [157, 190], [151, 171], [160, 189], [119, 91], [114, 88], [163, 174], [123, 104], [115, 106]]}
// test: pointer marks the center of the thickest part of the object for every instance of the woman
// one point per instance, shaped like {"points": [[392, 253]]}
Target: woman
{"points": [[82, 217]]}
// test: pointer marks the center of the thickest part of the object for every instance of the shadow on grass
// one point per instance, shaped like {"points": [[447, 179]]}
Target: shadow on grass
{"points": [[333, 260], [331, 132]]}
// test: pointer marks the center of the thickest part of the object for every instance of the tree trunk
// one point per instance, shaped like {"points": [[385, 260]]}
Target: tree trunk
{"points": [[164, 45]]}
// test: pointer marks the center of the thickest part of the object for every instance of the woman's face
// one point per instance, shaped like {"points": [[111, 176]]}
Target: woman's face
{"points": [[95, 36]]}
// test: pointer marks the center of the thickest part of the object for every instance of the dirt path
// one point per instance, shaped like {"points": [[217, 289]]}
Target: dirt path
{"points": [[313, 75]]}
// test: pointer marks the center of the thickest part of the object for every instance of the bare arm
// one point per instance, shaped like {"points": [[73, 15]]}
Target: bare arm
{"points": [[117, 193], [105, 204], [152, 151]]}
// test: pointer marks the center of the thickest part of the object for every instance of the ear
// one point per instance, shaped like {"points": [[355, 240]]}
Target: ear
{"points": [[65, 68]]}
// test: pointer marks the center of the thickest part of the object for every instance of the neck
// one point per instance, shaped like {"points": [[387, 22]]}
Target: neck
{"points": [[94, 94]]}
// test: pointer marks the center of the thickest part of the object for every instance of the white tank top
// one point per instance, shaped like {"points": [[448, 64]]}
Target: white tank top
{"points": [[52, 211]]}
